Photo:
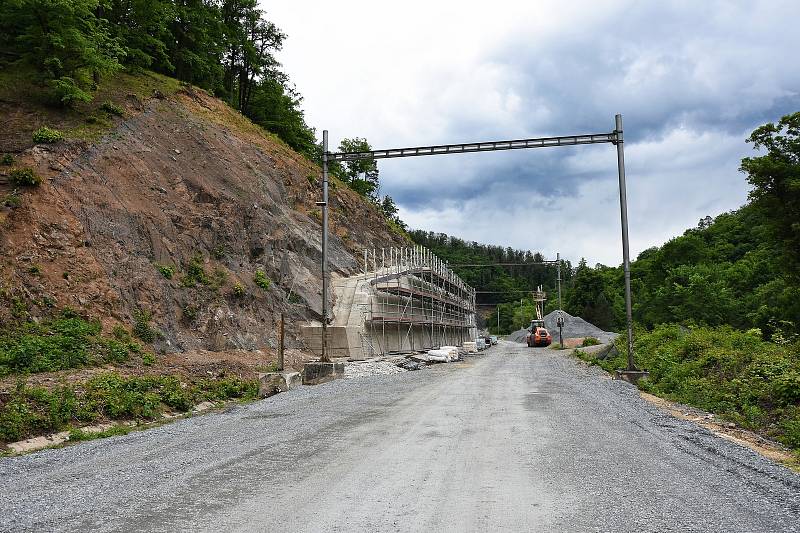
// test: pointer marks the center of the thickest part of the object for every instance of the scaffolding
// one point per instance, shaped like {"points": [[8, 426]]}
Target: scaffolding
{"points": [[417, 302]]}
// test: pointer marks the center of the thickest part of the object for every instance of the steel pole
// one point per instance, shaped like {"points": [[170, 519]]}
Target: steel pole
{"points": [[560, 315], [325, 356], [626, 260]]}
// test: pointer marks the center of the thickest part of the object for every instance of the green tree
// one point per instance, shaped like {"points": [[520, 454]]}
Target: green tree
{"points": [[775, 177], [360, 175], [67, 40]]}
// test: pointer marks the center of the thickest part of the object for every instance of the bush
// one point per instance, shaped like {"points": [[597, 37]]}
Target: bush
{"points": [[12, 200], [262, 280], [294, 298], [45, 135], [24, 177], [165, 270], [590, 341], [238, 290], [7, 160], [112, 109], [141, 327], [195, 273], [66, 92]]}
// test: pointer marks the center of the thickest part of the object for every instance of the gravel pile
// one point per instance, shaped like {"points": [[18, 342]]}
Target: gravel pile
{"points": [[358, 369], [574, 327]]}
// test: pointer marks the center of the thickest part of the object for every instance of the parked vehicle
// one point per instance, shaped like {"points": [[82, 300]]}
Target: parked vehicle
{"points": [[481, 342], [539, 337], [494, 339]]}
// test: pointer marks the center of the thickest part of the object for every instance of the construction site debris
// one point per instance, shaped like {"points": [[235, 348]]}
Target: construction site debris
{"points": [[358, 369]]}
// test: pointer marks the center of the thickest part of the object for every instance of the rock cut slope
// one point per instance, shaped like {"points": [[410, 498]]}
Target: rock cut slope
{"points": [[183, 182]]}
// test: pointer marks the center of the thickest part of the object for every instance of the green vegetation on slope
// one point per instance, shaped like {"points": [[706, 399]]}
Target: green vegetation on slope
{"points": [[59, 343], [733, 373], [224, 46], [29, 411]]}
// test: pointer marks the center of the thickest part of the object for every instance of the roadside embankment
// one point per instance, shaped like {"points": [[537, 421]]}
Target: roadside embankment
{"points": [[746, 381]]}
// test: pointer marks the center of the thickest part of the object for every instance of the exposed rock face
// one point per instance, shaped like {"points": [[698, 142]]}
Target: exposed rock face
{"points": [[182, 178]]}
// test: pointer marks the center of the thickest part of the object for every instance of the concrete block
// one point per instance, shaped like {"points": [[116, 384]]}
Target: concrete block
{"points": [[317, 372], [270, 383], [293, 379], [632, 376]]}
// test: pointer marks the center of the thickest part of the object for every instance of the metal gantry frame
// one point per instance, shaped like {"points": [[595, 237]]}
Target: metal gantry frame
{"points": [[615, 137]]}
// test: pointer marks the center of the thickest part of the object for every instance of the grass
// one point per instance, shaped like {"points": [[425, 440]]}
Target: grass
{"points": [[24, 86], [59, 343], [735, 374], [30, 411]]}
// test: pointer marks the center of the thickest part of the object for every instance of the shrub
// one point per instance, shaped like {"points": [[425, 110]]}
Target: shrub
{"points": [[195, 273], [294, 298], [148, 359], [7, 160], [120, 333], [165, 270], [590, 341], [262, 280], [190, 312], [112, 109], [66, 92], [141, 326], [12, 200], [238, 290], [218, 278], [24, 177], [32, 410], [218, 252], [47, 135]]}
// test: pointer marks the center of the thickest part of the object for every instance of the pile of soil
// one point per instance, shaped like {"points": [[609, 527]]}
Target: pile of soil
{"points": [[574, 328]]}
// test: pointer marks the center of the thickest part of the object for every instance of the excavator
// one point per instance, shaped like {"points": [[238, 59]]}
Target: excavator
{"points": [[537, 335]]}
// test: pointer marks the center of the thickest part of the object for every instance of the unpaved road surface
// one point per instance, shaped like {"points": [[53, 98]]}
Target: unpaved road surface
{"points": [[512, 440]]}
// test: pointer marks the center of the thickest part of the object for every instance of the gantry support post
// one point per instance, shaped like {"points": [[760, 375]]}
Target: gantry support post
{"points": [[325, 355], [626, 260]]}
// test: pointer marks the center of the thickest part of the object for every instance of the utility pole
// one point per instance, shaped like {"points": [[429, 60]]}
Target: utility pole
{"points": [[626, 261], [560, 320], [498, 319], [281, 337], [324, 203]]}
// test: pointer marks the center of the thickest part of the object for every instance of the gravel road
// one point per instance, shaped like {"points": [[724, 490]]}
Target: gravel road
{"points": [[514, 439]]}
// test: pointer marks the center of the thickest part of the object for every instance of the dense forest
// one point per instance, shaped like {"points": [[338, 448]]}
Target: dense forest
{"points": [[224, 46]]}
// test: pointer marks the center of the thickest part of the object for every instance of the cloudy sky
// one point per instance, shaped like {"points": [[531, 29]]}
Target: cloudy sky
{"points": [[691, 80]]}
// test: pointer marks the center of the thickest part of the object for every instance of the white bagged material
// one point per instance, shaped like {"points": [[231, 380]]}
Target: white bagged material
{"points": [[442, 356]]}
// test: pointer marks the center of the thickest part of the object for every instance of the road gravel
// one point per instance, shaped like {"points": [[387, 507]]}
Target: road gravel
{"points": [[514, 439]]}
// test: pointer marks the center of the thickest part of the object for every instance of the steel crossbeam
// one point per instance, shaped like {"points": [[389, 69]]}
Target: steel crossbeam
{"points": [[464, 148]]}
